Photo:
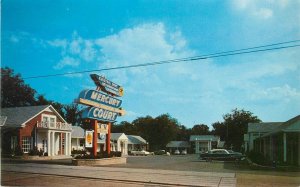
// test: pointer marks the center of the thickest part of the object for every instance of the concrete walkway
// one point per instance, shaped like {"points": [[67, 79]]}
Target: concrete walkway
{"points": [[147, 176]]}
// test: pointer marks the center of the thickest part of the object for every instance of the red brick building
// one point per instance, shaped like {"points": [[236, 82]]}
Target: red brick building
{"points": [[40, 127]]}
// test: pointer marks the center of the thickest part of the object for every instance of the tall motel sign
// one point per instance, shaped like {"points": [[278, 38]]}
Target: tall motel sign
{"points": [[103, 108]]}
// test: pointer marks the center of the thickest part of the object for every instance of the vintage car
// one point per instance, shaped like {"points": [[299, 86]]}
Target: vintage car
{"points": [[161, 152], [222, 154], [141, 153]]}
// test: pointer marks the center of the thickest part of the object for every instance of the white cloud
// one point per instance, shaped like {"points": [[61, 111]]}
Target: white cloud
{"points": [[264, 13], [142, 44], [280, 93], [263, 9], [67, 61], [83, 50]]}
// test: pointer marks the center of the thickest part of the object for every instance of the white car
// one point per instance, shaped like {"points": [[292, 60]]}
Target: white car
{"points": [[183, 152], [142, 153], [176, 152]]}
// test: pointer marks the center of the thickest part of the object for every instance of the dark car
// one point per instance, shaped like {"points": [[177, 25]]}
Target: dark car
{"points": [[222, 154]]}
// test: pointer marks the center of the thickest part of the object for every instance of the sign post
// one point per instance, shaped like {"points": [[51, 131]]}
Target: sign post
{"points": [[108, 139], [103, 106], [95, 142]]}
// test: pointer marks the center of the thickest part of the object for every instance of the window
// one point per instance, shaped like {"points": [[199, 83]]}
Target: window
{"points": [[49, 120], [26, 144], [52, 122]]}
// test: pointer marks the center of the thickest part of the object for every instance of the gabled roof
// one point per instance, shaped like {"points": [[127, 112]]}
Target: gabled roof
{"points": [[204, 138], [19, 116], [132, 139], [178, 144], [77, 132], [292, 125], [263, 127], [116, 136]]}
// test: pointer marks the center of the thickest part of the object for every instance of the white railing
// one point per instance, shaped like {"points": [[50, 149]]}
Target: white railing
{"points": [[57, 125]]}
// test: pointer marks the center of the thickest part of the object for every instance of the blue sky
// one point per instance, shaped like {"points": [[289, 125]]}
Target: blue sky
{"points": [[47, 37]]}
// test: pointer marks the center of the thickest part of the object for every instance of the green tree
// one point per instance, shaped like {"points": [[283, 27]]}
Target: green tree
{"points": [[71, 113], [234, 127], [14, 91], [200, 129], [125, 127]]}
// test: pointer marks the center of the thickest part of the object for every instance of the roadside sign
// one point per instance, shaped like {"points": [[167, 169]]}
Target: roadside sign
{"points": [[100, 97], [120, 112], [102, 128], [99, 114], [107, 85], [88, 138]]}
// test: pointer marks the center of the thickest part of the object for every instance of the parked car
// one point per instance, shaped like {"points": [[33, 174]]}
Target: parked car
{"points": [[176, 152], [222, 154], [183, 152], [142, 153], [162, 152]]}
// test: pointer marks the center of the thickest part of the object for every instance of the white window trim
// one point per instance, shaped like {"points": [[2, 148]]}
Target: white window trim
{"points": [[29, 143], [49, 116]]}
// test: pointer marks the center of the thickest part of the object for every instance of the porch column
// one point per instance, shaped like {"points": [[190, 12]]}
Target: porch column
{"points": [[70, 143], [265, 146], [299, 149], [208, 145], [271, 147], [67, 144], [77, 143], [66, 140], [126, 147], [53, 144], [284, 147], [197, 146], [48, 143], [119, 145]]}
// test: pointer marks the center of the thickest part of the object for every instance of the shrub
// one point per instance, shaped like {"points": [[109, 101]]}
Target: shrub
{"points": [[116, 154], [35, 152], [259, 158], [78, 152], [100, 155], [18, 151]]}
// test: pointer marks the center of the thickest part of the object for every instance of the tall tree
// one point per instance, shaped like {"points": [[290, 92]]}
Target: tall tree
{"points": [[14, 91], [235, 126], [125, 127], [71, 113], [200, 129]]}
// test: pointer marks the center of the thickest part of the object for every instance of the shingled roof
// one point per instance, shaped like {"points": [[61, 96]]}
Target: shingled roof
{"points": [[263, 127], [132, 139], [292, 125], [77, 132], [18, 116]]}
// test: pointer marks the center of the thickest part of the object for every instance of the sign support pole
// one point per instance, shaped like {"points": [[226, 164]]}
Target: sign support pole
{"points": [[95, 143], [108, 139]]}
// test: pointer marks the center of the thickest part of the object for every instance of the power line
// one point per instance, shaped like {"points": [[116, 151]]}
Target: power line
{"points": [[187, 59]]}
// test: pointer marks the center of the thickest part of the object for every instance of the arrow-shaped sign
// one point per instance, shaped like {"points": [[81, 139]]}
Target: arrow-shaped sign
{"points": [[107, 85]]}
